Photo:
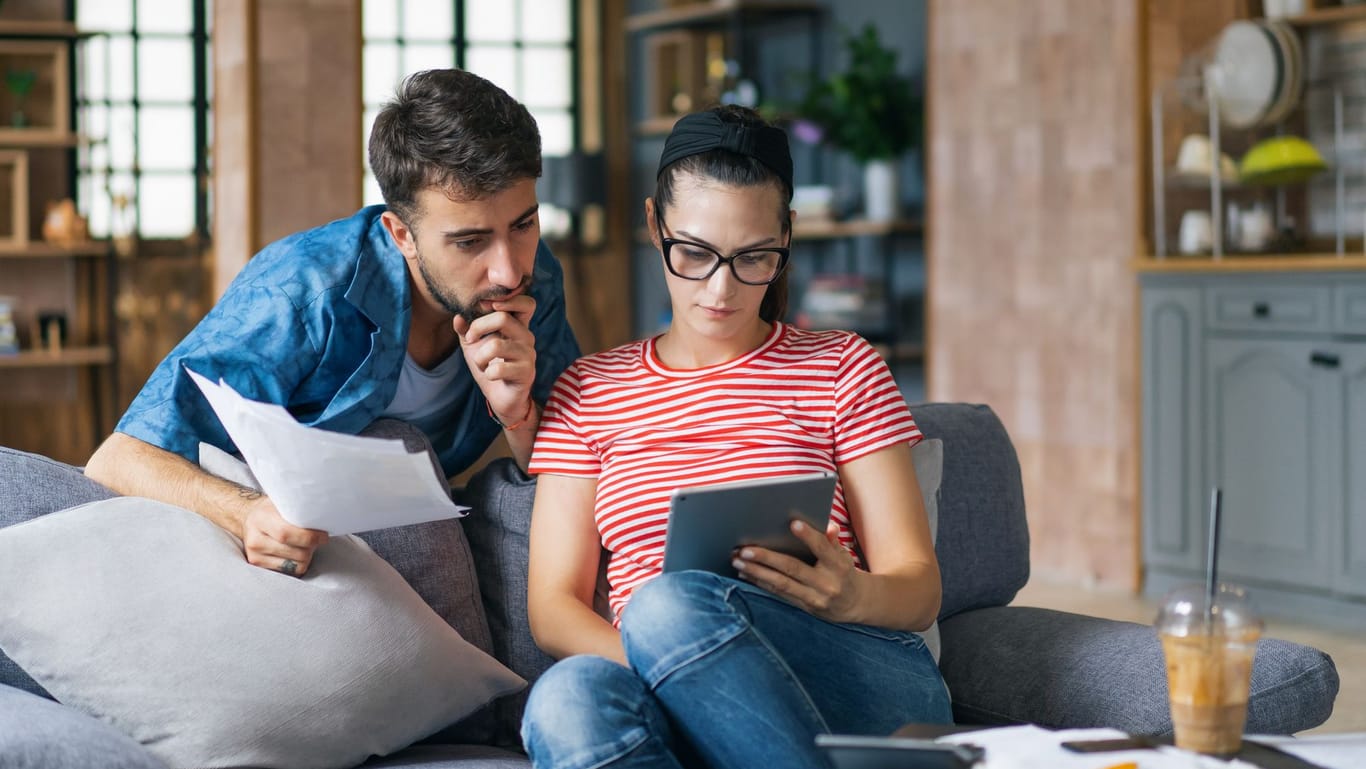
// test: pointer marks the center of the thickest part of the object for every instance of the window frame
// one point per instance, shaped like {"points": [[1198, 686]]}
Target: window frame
{"points": [[461, 45], [84, 172]]}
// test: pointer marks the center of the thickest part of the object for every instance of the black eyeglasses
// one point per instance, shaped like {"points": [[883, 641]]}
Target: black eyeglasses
{"points": [[694, 261]]}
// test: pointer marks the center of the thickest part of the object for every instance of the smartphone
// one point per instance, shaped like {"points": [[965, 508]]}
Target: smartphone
{"points": [[1109, 745], [848, 751]]}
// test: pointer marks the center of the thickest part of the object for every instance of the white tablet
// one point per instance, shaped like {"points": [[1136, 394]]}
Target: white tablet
{"points": [[707, 523]]}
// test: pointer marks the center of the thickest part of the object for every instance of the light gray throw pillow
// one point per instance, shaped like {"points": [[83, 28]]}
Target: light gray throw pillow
{"points": [[928, 458], [148, 617]]}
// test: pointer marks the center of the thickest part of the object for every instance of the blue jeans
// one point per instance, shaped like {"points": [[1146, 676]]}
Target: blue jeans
{"points": [[724, 674]]}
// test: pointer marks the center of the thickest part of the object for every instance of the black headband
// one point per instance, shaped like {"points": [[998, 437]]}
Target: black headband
{"points": [[704, 131]]}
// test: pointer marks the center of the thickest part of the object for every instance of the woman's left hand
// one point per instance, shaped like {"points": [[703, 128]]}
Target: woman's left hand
{"points": [[828, 589]]}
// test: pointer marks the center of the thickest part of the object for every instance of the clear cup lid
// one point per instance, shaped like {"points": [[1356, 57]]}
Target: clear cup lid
{"points": [[1186, 610]]}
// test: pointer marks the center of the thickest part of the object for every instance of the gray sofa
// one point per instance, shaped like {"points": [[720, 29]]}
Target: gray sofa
{"points": [[1003, 664]]}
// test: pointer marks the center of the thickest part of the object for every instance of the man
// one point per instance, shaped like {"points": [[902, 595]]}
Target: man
{"points": [[441, 308]]}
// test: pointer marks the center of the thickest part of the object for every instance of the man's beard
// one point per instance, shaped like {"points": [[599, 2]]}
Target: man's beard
{"points": [[467, 310]]}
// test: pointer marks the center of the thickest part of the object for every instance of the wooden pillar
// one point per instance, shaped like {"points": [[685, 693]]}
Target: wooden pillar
{"points": [[1035, 173], [287, 122]]}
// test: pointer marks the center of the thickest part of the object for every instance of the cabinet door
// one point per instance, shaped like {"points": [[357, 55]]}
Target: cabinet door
{"points": [[1173, 479], [1274, 424], [1352, 545]]}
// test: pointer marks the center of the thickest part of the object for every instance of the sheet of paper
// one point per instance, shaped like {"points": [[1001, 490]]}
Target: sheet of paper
{"points": [[1032, 747], [324, 480], [1331, 751]]}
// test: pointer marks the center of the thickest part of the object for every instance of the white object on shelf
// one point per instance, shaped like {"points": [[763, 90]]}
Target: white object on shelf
{"points": [[9, 335], [1245, 73], [1196, 235], [881, 190], [1275, 9]]}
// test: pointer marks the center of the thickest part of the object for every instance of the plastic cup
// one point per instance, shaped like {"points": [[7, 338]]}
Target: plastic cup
{"points": [[1209, 652]]}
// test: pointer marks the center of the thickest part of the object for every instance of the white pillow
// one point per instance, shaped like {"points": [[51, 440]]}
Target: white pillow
{"points": [[148, 617]]}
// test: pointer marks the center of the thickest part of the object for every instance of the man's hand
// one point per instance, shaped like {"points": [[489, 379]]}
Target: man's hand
{"points": [[829, 589], [500, 350], [273, 543]]}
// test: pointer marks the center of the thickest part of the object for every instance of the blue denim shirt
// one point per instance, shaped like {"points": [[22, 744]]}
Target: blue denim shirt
{"points": [[318, 323]]}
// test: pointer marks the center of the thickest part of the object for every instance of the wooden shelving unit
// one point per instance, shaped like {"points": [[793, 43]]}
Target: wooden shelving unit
{"points": [[668, 67], [72, 377]]}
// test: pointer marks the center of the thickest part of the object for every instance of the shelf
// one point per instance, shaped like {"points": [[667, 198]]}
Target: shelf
{"points": [[714, 13], [1331, 15], [657, 126], [41, 250], [852, 228], [900, 352], [36, 137], [1251, 263], [830, 230], [71, 356], [38, 28]]}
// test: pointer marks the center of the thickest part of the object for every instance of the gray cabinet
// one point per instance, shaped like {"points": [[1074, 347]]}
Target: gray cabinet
{"points": [[1350, 551], [1272, 423], [1257, 384], [1173, 485]]}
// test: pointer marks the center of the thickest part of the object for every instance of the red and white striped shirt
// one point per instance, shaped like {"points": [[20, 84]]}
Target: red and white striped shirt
{"points": [[803, 401]]}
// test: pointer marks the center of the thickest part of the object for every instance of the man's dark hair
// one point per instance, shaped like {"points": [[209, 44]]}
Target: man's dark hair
{"points": [[736, 170], [453, 130]]}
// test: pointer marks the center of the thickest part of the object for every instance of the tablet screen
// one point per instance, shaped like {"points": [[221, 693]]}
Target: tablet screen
{"points": [[707, 523]]}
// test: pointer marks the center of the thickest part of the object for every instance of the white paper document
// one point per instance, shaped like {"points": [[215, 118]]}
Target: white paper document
{"points": [[1331, 751], [320, 479], [1032, 747]]}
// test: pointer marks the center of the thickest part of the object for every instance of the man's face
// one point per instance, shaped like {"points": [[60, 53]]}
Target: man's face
{"points": [[464, 254]]}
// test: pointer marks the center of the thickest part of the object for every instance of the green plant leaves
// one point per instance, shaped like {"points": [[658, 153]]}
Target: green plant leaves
{"points": [[869, 110]]}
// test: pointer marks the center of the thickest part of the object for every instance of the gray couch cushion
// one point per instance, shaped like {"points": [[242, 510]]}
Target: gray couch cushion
{"points": [[32, 485], [983, 542], [500, 499], [36, 733], [1019, 664]]}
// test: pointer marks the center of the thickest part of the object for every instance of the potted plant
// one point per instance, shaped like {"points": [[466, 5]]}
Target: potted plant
{"points": [[872, 112]]}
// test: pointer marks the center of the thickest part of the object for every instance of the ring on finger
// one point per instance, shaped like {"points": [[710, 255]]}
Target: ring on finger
{"points": [[289, 567]]}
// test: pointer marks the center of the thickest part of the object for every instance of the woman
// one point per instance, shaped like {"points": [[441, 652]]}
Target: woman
{"points": [[696, 669]]}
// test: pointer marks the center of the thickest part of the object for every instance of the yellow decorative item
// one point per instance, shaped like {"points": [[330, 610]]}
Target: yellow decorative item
{"points": [[1281, 160], [62, 225]]}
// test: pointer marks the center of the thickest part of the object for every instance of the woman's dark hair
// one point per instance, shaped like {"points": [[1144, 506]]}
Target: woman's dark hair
{"points": [[737, 170], [453, 130]]}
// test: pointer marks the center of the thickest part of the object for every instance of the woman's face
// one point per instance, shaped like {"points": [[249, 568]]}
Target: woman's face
{"points": [[727, 219]]}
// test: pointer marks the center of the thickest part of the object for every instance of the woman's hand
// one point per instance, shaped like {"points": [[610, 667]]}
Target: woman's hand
{"points": [[831, 589]]}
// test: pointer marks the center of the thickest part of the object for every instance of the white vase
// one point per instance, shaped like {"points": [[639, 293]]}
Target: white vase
{"points": [[881, 190]]}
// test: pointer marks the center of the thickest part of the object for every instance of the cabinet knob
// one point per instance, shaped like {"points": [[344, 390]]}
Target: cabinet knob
{"points": [[1324, 359], [1261, 310]]}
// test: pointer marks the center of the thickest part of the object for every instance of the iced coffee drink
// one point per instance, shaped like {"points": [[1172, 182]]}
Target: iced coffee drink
{"points": [[1209, 654]]}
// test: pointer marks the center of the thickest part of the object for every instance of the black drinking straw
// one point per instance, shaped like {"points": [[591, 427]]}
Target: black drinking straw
{"points": [[1216, 498]]}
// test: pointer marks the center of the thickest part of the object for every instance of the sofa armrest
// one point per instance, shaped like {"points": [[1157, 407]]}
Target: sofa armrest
{"points": [[1015, 664]]}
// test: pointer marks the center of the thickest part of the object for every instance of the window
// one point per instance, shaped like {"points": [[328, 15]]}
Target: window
{"points": [[142, 106], [528, 47]]}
